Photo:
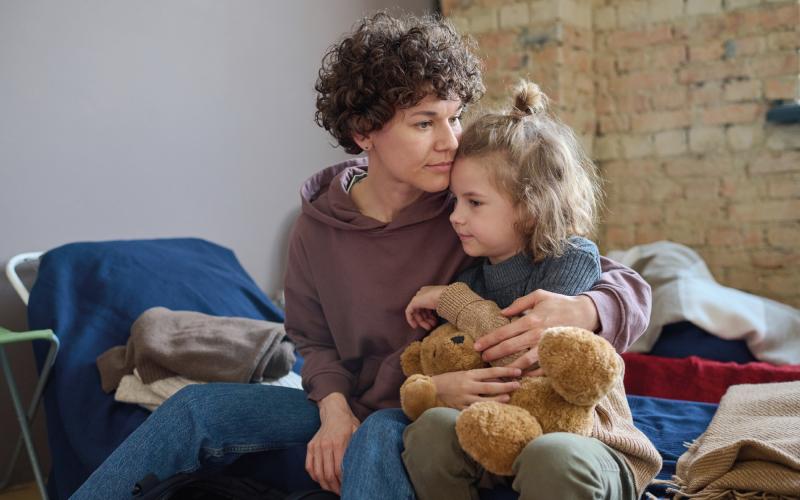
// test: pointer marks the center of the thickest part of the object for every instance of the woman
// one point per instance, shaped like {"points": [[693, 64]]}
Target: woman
{"points": [[366, 240]]}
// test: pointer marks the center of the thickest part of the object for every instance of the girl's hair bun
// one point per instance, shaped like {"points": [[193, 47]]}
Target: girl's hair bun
{"points": [[529, 99]]}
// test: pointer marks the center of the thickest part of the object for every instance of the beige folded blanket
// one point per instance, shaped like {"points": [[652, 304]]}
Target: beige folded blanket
{"points": [[132, 390], [751, 448]]}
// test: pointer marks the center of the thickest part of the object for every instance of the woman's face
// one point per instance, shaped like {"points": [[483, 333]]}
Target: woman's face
{"points": [[417, 146]]}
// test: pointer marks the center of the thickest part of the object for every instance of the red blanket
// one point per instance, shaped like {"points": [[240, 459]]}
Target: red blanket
{"points": [[696, 379]]}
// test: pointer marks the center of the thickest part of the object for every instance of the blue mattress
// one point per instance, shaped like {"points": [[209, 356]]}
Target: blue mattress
{"points": [[90, 294], [670, 425]]}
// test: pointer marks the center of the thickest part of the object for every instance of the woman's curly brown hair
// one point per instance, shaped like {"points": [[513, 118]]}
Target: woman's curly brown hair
{"points": [[389, 63]]}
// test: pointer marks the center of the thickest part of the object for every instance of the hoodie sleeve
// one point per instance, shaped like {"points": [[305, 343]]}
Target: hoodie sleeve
{"points": [[323, 371], [623, 303]]}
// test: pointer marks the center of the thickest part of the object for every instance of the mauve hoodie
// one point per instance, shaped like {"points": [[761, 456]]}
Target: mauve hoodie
{"points": [[349, 278]]}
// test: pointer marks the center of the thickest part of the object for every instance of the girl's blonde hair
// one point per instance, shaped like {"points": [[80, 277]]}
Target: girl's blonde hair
{"points": [[550, 179]]}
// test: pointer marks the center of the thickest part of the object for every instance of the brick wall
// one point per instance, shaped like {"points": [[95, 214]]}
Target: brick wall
{"points": [[670, 97]]}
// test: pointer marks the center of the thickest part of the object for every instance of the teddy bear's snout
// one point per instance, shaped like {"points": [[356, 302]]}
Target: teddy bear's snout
{"points": [[458, 339]]}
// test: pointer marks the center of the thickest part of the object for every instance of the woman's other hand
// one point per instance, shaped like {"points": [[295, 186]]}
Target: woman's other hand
{"points": [[542, 310], [420, 311], [326, 449], [461, 389]]}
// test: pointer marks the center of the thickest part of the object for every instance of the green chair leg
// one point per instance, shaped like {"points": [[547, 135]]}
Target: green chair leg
{"points": [[26, 418]]}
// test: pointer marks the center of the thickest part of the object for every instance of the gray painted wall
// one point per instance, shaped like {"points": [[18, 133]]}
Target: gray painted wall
{"points": [[146, 119]]}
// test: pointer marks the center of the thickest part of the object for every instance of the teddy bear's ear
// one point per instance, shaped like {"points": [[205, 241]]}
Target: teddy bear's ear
{"points": [[410, 360]]}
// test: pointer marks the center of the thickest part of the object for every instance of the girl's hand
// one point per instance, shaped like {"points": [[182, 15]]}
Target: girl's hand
{"points": [[419, 312], [461, 389], [326, 449], [543, 309]]}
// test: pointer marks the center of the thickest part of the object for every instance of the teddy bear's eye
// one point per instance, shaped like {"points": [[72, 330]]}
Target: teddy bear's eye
{"points": [[458, 339]]}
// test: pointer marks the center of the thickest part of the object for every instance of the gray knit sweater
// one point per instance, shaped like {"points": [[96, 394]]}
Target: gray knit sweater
{"points": [[573, 273]]}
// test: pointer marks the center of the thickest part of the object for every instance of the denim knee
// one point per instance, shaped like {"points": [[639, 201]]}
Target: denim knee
{"points": [[372, 467], [181, 404], [378, 432], [190, 393], [390, 420]]}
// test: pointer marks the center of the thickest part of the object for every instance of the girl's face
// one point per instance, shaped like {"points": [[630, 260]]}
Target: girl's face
{"points": [[483, 217], [416, 147]]}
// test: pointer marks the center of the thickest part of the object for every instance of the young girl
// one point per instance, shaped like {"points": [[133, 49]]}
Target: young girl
{"points": [[526, 197]]}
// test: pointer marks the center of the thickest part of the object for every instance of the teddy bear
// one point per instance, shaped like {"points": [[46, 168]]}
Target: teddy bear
{"points": [[579, 368]]}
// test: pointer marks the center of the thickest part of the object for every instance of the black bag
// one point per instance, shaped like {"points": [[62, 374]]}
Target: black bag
{"points": [[202, 486]]}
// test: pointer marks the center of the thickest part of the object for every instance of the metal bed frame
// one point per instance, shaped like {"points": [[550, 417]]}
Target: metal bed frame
{"points": [[25, 418]]}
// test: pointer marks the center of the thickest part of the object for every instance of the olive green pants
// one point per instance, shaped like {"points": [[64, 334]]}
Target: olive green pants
{"points": [[554, 466]]}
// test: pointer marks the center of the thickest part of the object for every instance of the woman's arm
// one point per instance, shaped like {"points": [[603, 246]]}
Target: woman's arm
{"points": [[617, 308], [323, 371], [325, 378], [326, 449], [623, 301]]}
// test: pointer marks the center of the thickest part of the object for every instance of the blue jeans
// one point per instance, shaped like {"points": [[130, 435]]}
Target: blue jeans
{"points": [[373, 464], [210, 426]]}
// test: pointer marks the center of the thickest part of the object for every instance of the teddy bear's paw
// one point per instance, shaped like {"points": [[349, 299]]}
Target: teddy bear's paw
{"points": [[582, 366], [417, 394], [494, 434]]}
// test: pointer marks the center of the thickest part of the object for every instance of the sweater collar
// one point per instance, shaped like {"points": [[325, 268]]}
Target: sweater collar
{"points": [[503, 274]]}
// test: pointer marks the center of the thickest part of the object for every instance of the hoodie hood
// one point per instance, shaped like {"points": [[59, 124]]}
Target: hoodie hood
{"points": [[326, 200]]}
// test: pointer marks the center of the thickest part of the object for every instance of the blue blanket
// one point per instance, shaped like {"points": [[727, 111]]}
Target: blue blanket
{"points": [[669, 424], [89, 294]]}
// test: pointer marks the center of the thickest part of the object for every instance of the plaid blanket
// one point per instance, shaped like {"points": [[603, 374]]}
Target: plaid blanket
{"points": [[751, 448]]}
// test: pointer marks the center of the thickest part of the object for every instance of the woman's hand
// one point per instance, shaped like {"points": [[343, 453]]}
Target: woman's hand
{"points": [[326, 449], [542, 310], [461, 389], [419, 312]]}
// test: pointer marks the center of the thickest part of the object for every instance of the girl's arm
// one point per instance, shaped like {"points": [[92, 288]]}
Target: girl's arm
{"points": [[419, 311], [461, 389], [469, 313]]}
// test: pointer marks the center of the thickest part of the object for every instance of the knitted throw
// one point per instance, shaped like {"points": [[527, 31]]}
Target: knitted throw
{"points": [[751, 448]]}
